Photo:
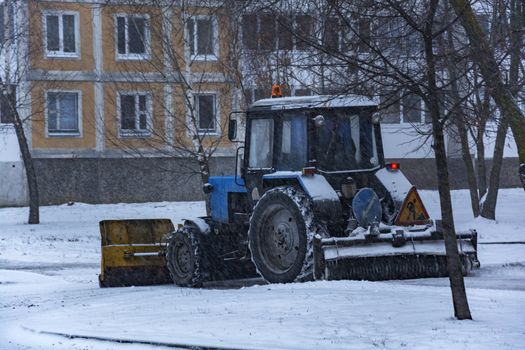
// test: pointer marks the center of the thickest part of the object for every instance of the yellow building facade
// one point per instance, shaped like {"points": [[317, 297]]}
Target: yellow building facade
{"points": [[106, 80], [118, 94]]}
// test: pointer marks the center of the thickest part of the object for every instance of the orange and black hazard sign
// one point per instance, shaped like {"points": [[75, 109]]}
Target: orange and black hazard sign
{"points": [[412, 211]]}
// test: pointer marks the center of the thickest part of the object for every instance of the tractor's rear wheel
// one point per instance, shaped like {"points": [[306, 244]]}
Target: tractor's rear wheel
{"points": [[280, 235], [183, 257]]}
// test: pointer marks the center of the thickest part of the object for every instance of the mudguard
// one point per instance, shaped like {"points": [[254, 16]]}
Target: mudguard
{"points": [[200, 224], [325, 200]]}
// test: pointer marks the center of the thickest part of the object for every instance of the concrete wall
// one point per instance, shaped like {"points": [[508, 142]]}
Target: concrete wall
{"points": [[422, 172], [103, 180], [13, 184], [114, 180]]}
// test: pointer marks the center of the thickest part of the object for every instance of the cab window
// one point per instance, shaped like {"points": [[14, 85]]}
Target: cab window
{"points": [[261, 142], [292, 150]]}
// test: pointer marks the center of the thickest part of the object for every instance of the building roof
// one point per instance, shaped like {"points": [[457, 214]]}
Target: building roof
{"points": [[320, 101]]}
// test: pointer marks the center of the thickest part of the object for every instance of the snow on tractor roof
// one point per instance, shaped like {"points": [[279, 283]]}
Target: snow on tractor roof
{"points": [[320, 101]]}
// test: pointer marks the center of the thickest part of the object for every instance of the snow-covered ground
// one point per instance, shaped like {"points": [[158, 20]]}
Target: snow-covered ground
{"points": [[48, 286]]}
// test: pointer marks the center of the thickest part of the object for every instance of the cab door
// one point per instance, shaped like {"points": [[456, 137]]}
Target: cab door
{"points": [[259, 152]]}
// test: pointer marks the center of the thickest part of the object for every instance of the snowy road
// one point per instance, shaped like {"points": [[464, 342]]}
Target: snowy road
{"points": [[48, 285]]}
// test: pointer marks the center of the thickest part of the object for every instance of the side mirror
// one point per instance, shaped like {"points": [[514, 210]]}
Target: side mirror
{"points": [[232, 129]]}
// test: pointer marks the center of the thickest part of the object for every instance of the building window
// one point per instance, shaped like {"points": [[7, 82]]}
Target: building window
{"points": [[249, 31], [267, 32], [135, 113], [484, 21], [257, 36], [61, 34], [2, 24], [396, 108], [364, 34], [303, 92], [411, 104], [7, 22], [285, 32], [202, 38], [206, 113], [8, 105], [304, 28], [133, 37], [332, 34], [256, 94], [390, 108], [63, 112]]}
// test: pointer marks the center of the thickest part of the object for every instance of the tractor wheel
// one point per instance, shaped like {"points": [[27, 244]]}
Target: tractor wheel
{"points": [[183, 257], [280, 236]]}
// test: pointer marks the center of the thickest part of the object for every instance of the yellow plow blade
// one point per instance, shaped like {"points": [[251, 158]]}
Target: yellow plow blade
{"points": [[132, 253]]}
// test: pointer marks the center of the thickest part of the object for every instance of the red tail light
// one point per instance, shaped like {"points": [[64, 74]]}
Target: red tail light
{"points": [[392, 166]]}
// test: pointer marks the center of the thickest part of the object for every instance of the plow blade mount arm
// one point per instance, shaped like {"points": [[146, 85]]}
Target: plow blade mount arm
{"points": [[394, 255], [133, 252]]}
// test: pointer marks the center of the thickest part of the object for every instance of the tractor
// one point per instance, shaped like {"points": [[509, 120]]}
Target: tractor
{"points": [[310, 198]]}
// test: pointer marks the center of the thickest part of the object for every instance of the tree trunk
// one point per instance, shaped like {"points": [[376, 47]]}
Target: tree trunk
{"points": [[488, 205], [34, 214], [459, 121], [467, 160], [457, 285], [484, 56], [204, 169], [480, 147]]}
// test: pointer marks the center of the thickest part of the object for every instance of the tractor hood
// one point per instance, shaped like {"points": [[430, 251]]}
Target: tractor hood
{"points": [[395, 183]]}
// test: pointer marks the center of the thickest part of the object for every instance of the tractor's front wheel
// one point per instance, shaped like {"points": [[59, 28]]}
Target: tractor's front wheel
{"points": [[280, 235], [183, 257]]}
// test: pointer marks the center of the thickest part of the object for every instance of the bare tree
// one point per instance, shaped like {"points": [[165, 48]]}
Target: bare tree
{"points": [[387, 46], [188, 81], [484, 55], [14, 39]]}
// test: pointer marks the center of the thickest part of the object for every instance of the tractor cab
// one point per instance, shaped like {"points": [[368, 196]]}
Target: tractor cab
{"points": [[330, 135]]}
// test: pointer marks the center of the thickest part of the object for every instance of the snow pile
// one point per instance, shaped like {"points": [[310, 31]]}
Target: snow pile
{"points": [[314, 315], [510, 219], [48, 284]]}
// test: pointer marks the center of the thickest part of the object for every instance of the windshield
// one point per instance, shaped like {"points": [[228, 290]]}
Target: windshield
{"points": [[291, 143], [346, 141]]}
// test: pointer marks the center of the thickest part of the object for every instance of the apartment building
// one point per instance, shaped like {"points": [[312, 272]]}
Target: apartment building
{"points": [[117, 95], [307, 47]]}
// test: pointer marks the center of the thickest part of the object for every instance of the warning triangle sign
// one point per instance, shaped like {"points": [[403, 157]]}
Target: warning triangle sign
{"points": [[412, 211]]}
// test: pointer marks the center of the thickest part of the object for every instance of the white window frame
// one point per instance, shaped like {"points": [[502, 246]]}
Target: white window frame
{"points": [[215, 32], [79, 115], [147, 37], [211, 132], [149, 114], [60, 53]]}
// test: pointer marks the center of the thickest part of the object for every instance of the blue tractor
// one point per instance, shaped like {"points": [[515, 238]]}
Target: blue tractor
{"points": [[311, 198]]}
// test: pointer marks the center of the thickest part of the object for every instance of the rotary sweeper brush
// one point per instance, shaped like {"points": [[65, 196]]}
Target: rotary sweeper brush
{"points": [[314, 200]]}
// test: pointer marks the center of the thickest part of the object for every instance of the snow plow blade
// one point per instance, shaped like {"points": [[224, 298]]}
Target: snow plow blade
{"points": [[132, 252], [387, 256]]}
